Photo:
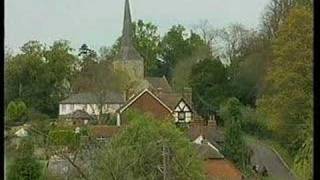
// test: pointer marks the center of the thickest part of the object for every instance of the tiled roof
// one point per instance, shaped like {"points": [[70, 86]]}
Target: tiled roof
{"points": [[170, 99], [222, 169], [212, 134], [208, 152], [159, 82], [91, 98]]}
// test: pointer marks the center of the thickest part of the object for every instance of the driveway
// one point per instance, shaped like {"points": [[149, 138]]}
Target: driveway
{"points": [[265, 156]]}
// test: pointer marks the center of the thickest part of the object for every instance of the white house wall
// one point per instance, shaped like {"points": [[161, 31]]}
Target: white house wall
{"points": [[92, 109]]}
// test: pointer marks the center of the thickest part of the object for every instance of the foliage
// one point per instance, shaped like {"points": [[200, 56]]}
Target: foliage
{"points": [[209, 83], [24, 166], [183, 69], [235, 146], [148, 149], [287, 102], [303, 164], [64, 138], [147, 39], [17, 111], [40, 71]]}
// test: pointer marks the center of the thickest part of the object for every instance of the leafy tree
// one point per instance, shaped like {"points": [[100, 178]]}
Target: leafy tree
{"points": [[40, 71], [147, 40], [235, 146], [182, 71], [174, 47], [209, 84], [17, 111], [25, 166], [148, 149], [287, 102]]}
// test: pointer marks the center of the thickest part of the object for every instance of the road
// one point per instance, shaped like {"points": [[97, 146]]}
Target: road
{"points": [[265, 156]]}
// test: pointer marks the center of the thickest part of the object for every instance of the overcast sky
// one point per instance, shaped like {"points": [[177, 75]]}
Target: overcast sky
{"points": [[99, 22]]}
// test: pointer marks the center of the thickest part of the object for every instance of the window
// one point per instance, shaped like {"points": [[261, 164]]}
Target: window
{"points": [[181, 116]]}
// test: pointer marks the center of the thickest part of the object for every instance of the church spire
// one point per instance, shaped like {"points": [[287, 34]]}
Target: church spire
{"points": [[127, 50]]}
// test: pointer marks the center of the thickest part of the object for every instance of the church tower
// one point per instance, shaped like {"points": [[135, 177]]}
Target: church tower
{"points": [[128, 59]]}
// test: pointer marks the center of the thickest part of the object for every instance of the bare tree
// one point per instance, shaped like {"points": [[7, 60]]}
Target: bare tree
{"points": [[275, 13], [208, 33]]}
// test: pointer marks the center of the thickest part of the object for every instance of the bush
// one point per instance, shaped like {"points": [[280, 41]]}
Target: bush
{"points": [[254, 123], [17, 112], [24, 166]]}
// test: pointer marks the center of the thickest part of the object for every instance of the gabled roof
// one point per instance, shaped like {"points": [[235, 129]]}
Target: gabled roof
{"points": [[91, 98], [134, 98], [206, 149], [159, 83]]}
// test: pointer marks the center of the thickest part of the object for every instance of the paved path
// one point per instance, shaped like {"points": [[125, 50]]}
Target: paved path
{"points": [[265, 156]]}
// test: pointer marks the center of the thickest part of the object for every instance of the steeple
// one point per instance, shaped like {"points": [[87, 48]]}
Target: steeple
{"points": [[127, 50]]}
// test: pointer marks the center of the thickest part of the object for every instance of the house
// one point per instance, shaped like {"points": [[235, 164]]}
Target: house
{"points": [[216, 166], [90, 102], [166, 106]]}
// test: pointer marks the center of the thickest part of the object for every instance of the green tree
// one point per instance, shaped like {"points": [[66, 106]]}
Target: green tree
{"points": [[25, 166], [235, 146], [174, 47], [182, 70], [209, 84], [288, 99], [17, 111], [148, 149], [147, 40], [40, 71]]}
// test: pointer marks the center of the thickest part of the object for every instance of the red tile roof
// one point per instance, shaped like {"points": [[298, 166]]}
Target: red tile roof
{"points": [[222, 169]]}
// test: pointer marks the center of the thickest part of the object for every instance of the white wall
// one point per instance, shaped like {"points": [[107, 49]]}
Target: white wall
{"points": [[91, 109]]}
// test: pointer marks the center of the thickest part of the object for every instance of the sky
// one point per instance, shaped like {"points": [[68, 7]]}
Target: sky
{"points": [[98, 23]]}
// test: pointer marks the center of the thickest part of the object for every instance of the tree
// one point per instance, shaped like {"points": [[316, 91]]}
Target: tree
{"points": [[148, 149], [17, 111], [235, 146], [276, 12], [288, 99], [209, 83], [40, 71], [25, 166], [174, 47], [182, 70], [147, 39]]}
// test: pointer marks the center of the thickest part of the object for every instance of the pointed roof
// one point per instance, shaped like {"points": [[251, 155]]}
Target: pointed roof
{"points": [[127, 50]]}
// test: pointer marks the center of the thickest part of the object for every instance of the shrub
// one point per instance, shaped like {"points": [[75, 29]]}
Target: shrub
{"points": [[17, 111], [25, 166]]}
